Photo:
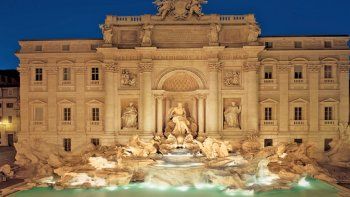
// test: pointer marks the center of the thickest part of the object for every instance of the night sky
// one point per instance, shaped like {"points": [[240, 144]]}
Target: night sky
{"points": [[42, 19]]}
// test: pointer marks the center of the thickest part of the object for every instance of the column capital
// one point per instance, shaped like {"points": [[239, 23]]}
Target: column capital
{"points": [[159, 96], [344, 68], [283, 68], [23, 70], [215, 65], [201, 96], [314, 68], [111, 66], [145, 66], [251, 66]]}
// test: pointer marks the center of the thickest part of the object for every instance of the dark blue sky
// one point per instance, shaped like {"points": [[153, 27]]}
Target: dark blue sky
{"points": [[41, 19]]}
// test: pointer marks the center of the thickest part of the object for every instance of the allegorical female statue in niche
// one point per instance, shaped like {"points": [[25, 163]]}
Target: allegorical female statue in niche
{"points": [[231, 115], [129, 117]]}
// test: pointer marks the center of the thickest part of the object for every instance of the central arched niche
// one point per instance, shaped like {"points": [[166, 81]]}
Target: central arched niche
{"points": [[180, 82]]}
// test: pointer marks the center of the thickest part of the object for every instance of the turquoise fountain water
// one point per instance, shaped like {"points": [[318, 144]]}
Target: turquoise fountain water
{"points": [[313, 188]]}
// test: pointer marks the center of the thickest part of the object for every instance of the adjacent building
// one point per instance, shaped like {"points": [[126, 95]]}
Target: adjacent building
{"points": [[9, 106], [231, 81]]}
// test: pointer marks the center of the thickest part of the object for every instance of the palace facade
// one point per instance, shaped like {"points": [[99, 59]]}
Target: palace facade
{"points": [[230, 81]]}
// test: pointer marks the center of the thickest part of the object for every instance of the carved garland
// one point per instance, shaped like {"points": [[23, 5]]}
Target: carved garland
{"points": [[145, 67], [215, 66], [314, 68], [283, 68], [111, 67], [251, 66], [344, 68]]}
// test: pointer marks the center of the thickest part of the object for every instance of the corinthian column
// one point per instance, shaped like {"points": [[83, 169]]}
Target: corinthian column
{"points": [[251, 83], [344, 93], [212, 104], [110, 68], [148, 112]]}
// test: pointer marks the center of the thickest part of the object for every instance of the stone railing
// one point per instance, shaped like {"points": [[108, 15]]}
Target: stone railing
{"points": [[268, 122], [95, 123], [65, 123], [329, 122], [298, 122], [268, 81], [232, 18], [124, 19], [328, 80], [37, 122], [298, 81]]}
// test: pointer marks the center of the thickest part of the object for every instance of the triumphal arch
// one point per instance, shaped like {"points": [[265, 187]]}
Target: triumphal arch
{"points": [[229, 81]]}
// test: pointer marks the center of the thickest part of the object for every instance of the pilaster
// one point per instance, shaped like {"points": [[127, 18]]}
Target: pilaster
{"points": [[314, 75], [79, 71], [344, 93], [52, 73], [24, 100], [283, 75], [110, 67]]}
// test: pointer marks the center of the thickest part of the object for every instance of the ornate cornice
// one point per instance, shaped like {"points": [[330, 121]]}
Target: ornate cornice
{"points": [[145, 67], [251, 66], [314, 68], [344, 68], [111, 66], [215, 66]]}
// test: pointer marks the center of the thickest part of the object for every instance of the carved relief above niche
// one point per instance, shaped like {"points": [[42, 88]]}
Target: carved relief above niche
{"points": [[128, 78], [232, 78], [129, 114]]}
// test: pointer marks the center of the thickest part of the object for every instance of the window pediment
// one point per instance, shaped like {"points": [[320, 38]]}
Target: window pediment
{"points": [[94, 102], [329, 100], [65, 101], [299, 100], [268, 101]]}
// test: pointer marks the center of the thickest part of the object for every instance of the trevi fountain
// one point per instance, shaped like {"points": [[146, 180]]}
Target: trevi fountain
{"points": [[189, 152]]}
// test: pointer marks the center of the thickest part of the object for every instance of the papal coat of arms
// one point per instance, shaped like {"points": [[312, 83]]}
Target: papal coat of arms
{"points": [[179, 9]]}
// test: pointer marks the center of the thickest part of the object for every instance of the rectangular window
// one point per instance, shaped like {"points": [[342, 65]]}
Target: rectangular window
{"points": [[268, 113], [328, 113], [327, 72], [95, 141], [327, 144], [298, 113], [0, 105], [298, 72], [95, 74], [9, 105], [38, 114], [67, 144], [268, 72], [268, 45], [66, 47], [38, 74], [66, 74], [298, 141], [298, 45], [10, 92], [67, 114], [327, 44], [9, 119], [268, 142], [95, 114], [38, 48]]}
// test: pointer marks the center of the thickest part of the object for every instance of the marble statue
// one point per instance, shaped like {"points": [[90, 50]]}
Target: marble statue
{"points": [[232, 78], [146, 35], [128, 78], [232, 115], [196, 7], [129, 117], [107, 33], [179, 117], [214, 34], [254, 32], [164, 7]]}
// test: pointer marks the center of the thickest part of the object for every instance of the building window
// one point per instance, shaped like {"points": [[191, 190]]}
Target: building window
{"points": [[67, 114], [93, 47], [67, 144], [95, 141], [268, 113], [298, 141], [327, 44], [328, 72], [269, 45], [38, 74], [10, 92], [0, 105], [298, 72], [95, 74], [268, 72], [38, 114], [298, 113], [327, 144], [328, 113], [298, 45], [38, 48], [66, 74], [9, 105], [268, 142], [66, 47], [95, 114], [9, 119]]}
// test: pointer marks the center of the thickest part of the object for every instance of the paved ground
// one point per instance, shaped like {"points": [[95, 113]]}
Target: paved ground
{"points": [[7, 155]]}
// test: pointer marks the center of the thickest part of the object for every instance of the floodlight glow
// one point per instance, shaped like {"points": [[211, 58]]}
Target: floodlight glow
{"points": [[101, 163], [239, 192], [303, 182], [111, 188], [183, 188]]}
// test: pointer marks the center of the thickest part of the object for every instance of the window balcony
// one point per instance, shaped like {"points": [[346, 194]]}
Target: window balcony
{"points": [[95, 123], [328, 80], [268, 122], [37, 122], [268, 81], [66, 123], [298, 81], [329, 122], [298, 122], [38, 83], [95, 82], [66, 83]]}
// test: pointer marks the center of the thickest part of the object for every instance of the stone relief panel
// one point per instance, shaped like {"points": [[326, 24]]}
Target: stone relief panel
{"points": [[232, 78], [128, 78], [129, 114], [232, 109]]}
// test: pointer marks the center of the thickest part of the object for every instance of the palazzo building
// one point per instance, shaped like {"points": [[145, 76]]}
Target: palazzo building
{"points": [[230, 81]]}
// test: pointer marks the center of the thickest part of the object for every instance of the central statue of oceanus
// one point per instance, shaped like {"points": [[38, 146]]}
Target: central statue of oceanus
{"points": [[179, 9]]}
